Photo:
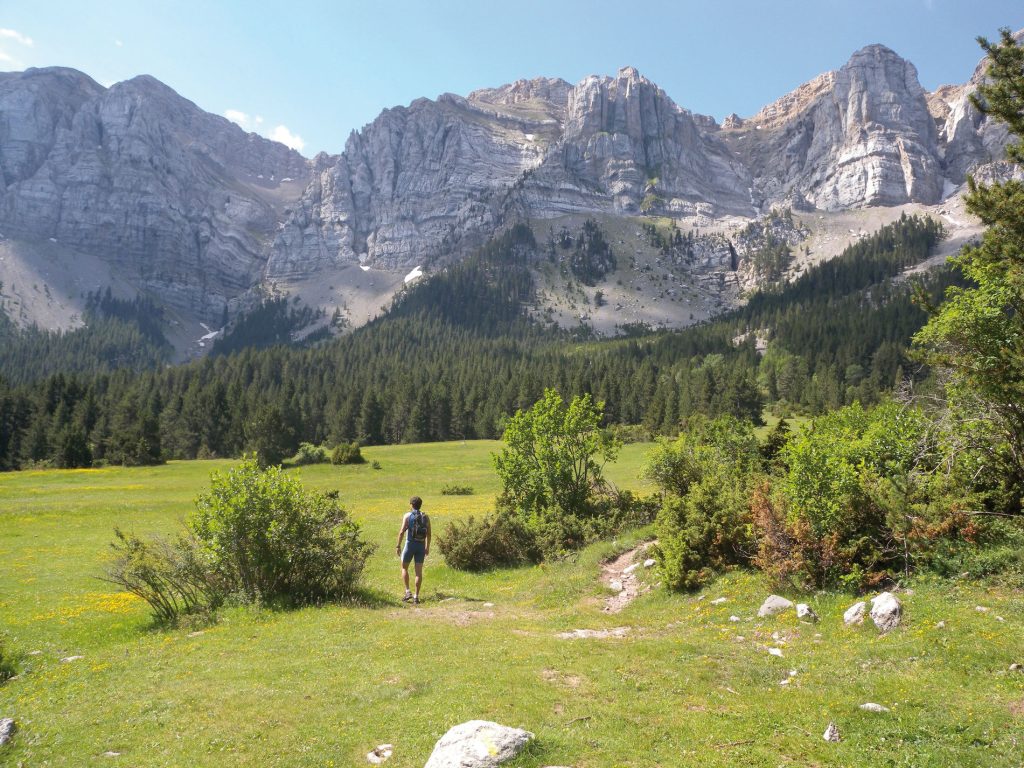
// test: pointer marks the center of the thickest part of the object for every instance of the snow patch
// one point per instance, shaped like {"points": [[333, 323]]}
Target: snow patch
{"points": [[364, 268], [416, 274]]}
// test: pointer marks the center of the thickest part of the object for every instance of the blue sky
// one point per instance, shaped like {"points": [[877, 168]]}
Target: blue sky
{"points": [[309, 73]]}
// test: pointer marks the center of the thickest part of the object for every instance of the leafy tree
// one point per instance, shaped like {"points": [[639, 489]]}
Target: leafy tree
{"points": [[977, 336], [554, 454]]}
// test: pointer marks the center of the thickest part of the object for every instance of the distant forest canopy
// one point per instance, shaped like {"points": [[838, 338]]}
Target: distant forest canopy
{"points": [[457, 353]]}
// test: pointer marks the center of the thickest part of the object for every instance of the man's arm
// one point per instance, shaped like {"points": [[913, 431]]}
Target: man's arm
{"points": [[401, 533]]}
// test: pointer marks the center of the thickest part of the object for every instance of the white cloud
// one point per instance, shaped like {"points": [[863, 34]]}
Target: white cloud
{"points": [[239, 117], [286, 137], [13, 34], [279, 133], [118, 43]]}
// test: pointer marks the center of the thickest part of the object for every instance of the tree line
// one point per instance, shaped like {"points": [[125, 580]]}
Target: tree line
{"points": [[457, 353]]}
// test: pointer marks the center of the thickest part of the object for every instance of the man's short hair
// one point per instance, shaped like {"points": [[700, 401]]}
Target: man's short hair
{"points": [[416, 502]]}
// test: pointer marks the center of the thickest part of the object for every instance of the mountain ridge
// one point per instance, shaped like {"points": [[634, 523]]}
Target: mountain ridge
{"points": [[187, 206]]}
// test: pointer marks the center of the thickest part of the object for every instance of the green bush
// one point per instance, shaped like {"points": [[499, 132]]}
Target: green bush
{"points": [[490, 542], [264, 537], [168, 575], [347, 453], [855, 500], [704, 523], [310, 454], [452, 489]]}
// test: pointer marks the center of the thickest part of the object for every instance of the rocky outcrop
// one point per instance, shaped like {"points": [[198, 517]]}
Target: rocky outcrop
{"points": [[860, 136], [185, 203]]}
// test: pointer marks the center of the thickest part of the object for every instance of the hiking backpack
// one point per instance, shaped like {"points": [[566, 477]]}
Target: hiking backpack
{"points": [[417, 526]]}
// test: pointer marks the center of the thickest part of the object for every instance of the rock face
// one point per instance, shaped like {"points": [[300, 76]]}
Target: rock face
{"points": [[183, 201], [190, 208], [856, 137], [478, 744]]}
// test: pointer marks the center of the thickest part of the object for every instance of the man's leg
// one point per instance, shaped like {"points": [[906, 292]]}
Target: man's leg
{"points": [[419, 578], [405, 576]]}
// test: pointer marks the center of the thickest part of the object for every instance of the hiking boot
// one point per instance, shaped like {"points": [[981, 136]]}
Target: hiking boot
{"points": [[407, 598], [415, 601]]}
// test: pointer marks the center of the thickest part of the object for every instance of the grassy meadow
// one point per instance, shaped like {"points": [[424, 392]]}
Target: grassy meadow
{"points": [[321, 686]]}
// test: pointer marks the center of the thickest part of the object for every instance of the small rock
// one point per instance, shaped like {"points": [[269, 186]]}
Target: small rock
{"points": [[488, 605], [631, 568], [982, 608], [111, 753], [940, 625], [832, 733], [854, 614], [379, 754], [734, 618], [775, 652], [804, 611], [886, 611], [772, 605], [34, 653], [69, 659], [7, 729], [650, 561], [1015, 667], [615, 585], [784, 682], [478, 744], [719, 600], [1000, 618], [872, 707]]}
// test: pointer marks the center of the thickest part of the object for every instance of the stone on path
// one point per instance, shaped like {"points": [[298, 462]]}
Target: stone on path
{"points": [[594, 634], [478, 744], [804, 611], [379, 754], [870, 706], [7, 729], [886, 611], [772, 605], [650, 561], [631, 568], [832, 733], [854, 614], [615, 585]]}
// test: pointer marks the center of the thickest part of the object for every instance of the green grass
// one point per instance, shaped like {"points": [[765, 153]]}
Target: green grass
{"points": [[322, 686]]}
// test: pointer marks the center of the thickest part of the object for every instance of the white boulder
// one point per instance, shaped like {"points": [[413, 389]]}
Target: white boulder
{"points": [[805, 612], [886, 611], [7, 729], [772, 605], [854, 614], [478, 744]]}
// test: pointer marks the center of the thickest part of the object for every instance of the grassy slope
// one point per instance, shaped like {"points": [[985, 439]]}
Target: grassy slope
{"points": [[322, 686]]}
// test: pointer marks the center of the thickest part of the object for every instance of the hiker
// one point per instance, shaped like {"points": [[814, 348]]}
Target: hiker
{"points": [[416, 528]]}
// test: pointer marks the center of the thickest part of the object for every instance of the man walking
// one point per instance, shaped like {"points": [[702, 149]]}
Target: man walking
{"points": [[416, 529]]}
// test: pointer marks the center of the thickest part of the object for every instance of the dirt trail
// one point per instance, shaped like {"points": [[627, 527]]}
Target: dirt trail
{"points": [[622, 575]]}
